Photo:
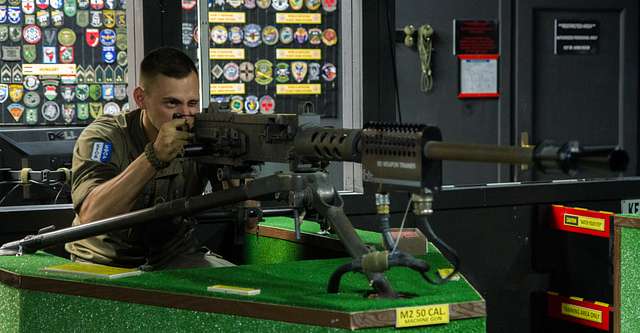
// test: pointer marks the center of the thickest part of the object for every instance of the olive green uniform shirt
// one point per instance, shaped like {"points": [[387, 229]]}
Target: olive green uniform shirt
{"points": [[105, 149]]}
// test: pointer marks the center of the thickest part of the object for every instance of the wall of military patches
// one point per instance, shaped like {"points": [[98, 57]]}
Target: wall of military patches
{"points": [[62, 62], [275, 56]]}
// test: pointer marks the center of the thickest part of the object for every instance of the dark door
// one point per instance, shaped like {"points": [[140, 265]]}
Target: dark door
{"points": [[588, 94]]}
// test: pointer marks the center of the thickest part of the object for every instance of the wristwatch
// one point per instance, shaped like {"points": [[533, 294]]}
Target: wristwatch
{"points": [[150, 154]]}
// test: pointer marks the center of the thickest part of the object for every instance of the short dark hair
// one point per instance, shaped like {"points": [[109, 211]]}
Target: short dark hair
{"points": [[167, 61]]}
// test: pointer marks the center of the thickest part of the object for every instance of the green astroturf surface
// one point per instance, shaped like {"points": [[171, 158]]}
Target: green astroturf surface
{"points": [[630, 279], [46, 312]]}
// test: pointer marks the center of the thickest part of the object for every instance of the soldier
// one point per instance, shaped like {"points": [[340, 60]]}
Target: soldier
{"points": [[131, 161]]}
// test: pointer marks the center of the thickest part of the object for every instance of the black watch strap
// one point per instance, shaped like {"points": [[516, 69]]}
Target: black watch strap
{"points": [[150, 154]]}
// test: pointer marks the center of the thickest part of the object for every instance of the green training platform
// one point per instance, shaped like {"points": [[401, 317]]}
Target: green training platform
{"points": [[293, 294]]}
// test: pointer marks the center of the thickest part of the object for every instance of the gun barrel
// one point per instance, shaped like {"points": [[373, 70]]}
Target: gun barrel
{"points": [[478, 153]]}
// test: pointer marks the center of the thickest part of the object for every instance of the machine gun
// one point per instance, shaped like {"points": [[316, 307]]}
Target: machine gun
{"points": [[408, 156]]}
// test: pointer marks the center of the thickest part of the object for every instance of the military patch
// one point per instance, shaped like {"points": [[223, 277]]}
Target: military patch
{"points": [[217, 71], [301, 36], [329, 72], [82, 92], [270, 35], [32, 34], [68, 93], [49, 55], [30, 19], [263, 4], [109, 18], [219, 3], [236, 104], [286, 35], [329, 37], [252, 35], [5, 73], [99, 74], [57, 18], [95, 92], [107, 92], [124, 108], [3, 14], [282, 72], [16, 74], [267, 105], [68, 113], [95, 110], [50, 92], [14, 14], [15, 33], [56, 4], [68, 79], [312, 4], [219, 34], [31, 99], [31, 116], [16, 110], [42, 18], [83, 111], [79, 74], [96, 4], [50, 37], [315, 36], [110, 4], [299, 70], [101, 151], [121, 38], [247, 71], [83, 4], [66, 37], [92, 37], [296, 4], [28, 6], [107, 37], [264, 72], [66, 54], [82, 18], [235, 3], [95, 19], [108, 74], [251, 104], [111, 109], [16, 91], [70, 8], [329, 5], [314, 72], [188, 4], [250, 4], [109, 54], [280, 5], [231, 71], [236, 35], [50, 111], [121, 19], [4, 32], [120, 74], [4, 92], [120, 91], [42, 4]]}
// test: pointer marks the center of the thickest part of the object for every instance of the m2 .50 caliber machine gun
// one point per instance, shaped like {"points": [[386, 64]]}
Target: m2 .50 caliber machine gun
{"points": [[409, 156]]}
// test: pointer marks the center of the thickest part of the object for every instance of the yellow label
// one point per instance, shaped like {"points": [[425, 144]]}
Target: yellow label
{"points": [[584, 222], [226, 54], [444, 272], [227, 17], [298, 18], [298, 89], [422, 315], [298, 54], [226, 89], [47, 69], [581, 312]]}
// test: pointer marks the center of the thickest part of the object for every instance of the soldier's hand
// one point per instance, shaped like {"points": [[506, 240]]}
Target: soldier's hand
{"points": [[171, 139]]}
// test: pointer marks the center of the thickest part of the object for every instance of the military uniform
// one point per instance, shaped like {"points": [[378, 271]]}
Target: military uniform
{"points": [[105, 149]]}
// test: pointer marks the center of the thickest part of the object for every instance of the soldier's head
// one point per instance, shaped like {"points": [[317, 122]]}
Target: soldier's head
{"points": [[168, 85]]}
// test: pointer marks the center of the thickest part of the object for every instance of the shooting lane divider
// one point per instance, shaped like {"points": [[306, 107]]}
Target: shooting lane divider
{"points": [[582, 221], [577, 310]]}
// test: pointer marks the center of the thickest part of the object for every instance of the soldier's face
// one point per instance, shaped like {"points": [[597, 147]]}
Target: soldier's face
{"points": [[168, 96]]}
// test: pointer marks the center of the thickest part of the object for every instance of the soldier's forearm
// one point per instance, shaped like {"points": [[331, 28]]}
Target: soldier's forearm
{"points": [[118, 195]]}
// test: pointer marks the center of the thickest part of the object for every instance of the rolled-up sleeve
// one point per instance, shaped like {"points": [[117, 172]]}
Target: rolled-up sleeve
{"points": [[97, 157]]}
